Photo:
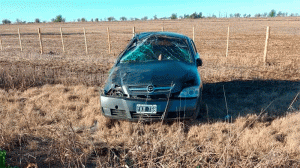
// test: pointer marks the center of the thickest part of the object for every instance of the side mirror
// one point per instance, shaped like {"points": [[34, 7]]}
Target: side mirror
{"points": [[199, 62]]}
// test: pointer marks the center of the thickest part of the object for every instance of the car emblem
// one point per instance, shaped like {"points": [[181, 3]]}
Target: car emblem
{"points": [[150, 88]]}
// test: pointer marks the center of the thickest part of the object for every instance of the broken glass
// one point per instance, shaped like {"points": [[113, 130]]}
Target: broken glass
{"points": [[157, 48]]}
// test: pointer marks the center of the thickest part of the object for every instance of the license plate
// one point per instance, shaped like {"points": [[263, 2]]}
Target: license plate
{"points": [[146, 108]]}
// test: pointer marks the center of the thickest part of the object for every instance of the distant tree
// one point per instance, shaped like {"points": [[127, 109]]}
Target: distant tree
{"points": [[186, 16], [213, 15], [123, 18], [18, 21], [265, 14], [237, 15], [6, 21], [194, 15], [78, 20], [37, 20], [272, 13], [200, 15], [155, 17], [144, 18], [249, 15], [136, 19], [58, 18], [83, 19], [257, 15], [279, 14], [111, 18], [245, 15], [231, 15], [92, 20], [174, 16], [292, 14], [96, 20]]}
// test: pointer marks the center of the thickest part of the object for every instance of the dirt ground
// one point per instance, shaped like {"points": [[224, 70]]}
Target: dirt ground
{"points": [[50, 110]]}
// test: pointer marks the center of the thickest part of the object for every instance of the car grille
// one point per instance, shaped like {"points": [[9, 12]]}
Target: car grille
{"points": [[118, 113], [171, 115], [146, 116], [145, 88], [159, 96]]}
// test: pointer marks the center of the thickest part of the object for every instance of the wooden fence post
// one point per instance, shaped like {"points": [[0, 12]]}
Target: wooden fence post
{"points": [[194, 33], [1, 44], [133, 31], [108, 40], [62, 39], [20, 39], [266, 44], [40, 38], [84, 33], [227, 42], [162, 29]]}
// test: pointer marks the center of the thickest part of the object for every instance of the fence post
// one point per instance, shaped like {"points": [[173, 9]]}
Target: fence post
{"points": [[40, 38], [133, 31], [162, 29], [227, 42], [266, 44], [20, 39], [108, 40], [1, 44], [62, 39], [194, 33], [84, 33]]}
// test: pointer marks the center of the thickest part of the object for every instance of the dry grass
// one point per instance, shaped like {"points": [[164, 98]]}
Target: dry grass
{"points": [[50, 110], [24, 70], [57, 125]]}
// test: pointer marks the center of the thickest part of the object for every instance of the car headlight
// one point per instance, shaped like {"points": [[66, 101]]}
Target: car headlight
{"points": [[190, 92]]}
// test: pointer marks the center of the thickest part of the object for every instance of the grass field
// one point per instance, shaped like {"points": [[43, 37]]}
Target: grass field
{"points": [[50, 110]]}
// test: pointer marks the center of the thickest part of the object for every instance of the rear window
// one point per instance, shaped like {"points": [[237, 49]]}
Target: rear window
{"points": [[158, 48]]}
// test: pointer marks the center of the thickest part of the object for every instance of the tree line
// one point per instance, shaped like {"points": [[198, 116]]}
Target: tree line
{"points": [[194, 15]]}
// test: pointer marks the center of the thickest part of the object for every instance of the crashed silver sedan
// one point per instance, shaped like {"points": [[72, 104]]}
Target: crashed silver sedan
{"points": [[154, 78]]}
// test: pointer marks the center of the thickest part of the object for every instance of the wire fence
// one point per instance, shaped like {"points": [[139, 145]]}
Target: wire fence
{"points": [[233, 39]]}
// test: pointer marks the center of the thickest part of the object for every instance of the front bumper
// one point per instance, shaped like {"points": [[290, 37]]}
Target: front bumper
{"points": [[125, 108]]}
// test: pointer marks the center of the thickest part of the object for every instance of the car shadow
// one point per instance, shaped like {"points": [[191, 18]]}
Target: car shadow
{"points": [[239, 98]]}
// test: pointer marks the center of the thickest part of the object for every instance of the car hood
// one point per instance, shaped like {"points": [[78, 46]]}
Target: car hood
{"points": [[158, 73]]}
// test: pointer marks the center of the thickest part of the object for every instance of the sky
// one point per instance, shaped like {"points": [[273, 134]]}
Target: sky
{"points": [[45, 10]]}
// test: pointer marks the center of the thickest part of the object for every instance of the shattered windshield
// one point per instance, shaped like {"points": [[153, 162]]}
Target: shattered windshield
{"points": [[157, 48]]}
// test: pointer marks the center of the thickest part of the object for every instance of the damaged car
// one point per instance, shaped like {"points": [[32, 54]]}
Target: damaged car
{"points": [[154, 78]]}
